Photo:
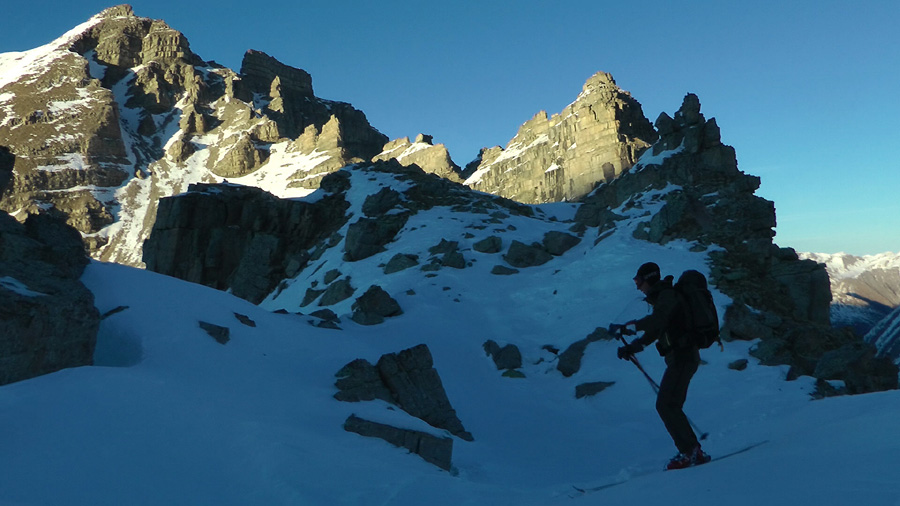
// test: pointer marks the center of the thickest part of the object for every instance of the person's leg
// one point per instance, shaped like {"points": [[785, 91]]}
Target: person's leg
{"points": [[670, 400]]}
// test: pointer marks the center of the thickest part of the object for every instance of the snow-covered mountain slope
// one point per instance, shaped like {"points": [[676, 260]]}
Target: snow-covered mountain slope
{"points": [[118, 113], [169, 416], [864, 288]]}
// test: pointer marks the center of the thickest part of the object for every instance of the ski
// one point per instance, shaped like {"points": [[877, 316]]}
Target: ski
{"points": [[645, 472]]}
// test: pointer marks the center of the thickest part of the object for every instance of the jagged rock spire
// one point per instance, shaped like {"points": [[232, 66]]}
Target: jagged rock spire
{"points": [[596, 138]]}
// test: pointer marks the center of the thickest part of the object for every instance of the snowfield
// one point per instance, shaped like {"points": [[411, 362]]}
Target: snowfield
{"points": [[169, 416]]}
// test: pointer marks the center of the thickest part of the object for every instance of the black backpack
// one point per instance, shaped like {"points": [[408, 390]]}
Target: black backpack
{"points": [[701, 317]]}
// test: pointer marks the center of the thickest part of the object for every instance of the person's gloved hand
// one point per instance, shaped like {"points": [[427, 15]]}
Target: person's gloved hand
{"points": [[622, 328], [628, 351]]}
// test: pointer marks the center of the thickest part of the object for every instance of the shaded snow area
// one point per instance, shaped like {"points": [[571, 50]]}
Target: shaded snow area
{"points": [[167, 415]]}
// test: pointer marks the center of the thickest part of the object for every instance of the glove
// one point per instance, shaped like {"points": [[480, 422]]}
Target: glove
{"points": [[628, 351], [622, 328]]}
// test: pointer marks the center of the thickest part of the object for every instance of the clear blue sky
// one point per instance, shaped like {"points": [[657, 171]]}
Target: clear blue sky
{"points": [[808, 92]]}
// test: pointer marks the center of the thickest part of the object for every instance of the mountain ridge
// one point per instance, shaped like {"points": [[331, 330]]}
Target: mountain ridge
{"points": [[139, 116]]}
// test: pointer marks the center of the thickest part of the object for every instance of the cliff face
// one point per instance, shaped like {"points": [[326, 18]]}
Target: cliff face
{"points": [[434, 159], [118, 113], [238, 238], [563, 157], [47, 317]]}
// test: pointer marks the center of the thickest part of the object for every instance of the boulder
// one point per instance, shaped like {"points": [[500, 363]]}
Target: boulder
{"points": [[444, 247], [245, 320], [506, 357], [739, 365], [358, 381], [556, 243], [407, 379], [337, 292], [522, 255], [502, 270], [368, 236], [399, 262], [379, 203], [592, 388], [453, 259], [433, 449], [374, 306], [221, 334], [492, 244]]}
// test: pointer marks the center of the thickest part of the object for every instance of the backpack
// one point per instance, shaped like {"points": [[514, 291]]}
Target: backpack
{"points": [[701, 317]]}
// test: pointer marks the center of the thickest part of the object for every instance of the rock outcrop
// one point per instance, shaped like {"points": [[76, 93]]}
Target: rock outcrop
{"points": [[433, 449], [506, 357], [238, 238], [248, 241], [47, 316], [698, 192], [434, 159], [408, 380], [596, 138]]}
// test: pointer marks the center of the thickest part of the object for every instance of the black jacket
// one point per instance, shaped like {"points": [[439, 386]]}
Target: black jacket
{"points": [[666, 324]]}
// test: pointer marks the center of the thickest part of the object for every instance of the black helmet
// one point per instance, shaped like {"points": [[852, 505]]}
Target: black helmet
{"points": [[648, 272]]}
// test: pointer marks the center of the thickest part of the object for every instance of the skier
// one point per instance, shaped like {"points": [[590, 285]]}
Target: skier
{"points": [[666, 325]]}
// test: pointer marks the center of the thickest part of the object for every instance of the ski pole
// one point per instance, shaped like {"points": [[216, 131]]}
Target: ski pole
{"points": [[634, 360]]}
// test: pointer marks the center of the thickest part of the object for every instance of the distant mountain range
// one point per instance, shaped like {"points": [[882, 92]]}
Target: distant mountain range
{"points": [[865, 289]]}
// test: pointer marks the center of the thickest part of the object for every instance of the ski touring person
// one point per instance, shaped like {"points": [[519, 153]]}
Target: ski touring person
{"points": [[667, 327]]}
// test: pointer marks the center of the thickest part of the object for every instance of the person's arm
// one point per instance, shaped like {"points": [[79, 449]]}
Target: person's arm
{"points": [[656, 322]]}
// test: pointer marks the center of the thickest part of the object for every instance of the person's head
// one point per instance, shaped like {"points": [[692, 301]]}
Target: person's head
{"points": [[647, 276]]}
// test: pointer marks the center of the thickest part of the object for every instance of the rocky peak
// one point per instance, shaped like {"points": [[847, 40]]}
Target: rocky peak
{"points": [[122, 41], [602, 82], [688, 127], [70, 108], [260, 70], [562, 157], [122, 10], [431, 158]]}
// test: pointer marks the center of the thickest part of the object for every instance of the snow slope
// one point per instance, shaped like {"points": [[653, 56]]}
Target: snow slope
{"points": [[169, 416]]}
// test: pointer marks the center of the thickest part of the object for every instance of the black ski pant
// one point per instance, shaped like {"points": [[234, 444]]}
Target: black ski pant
{"points": [[681, 366]]}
